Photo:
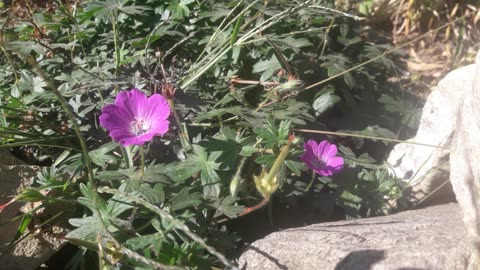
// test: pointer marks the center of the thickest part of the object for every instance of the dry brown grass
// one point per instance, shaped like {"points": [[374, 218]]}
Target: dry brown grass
{"points": [[434, 55]]}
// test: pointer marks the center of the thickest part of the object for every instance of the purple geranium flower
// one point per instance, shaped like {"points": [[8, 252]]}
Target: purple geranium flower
{"points": [[134, 118], [322, 158]]}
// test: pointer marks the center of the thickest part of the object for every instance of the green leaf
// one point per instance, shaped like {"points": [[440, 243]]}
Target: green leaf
{"points": [[373, 131], [30, 195], [248, 151], [87, 228], [91, 200], [227, 207], [210, 180], [411, 111], [266, 160], [291, 110], [117, 204], [180, 171], [26, 220], [154, 195], [295, 166], [184, 199], [364, 160], [227, 151], [294, 43], [210, 114], [100, 157], [82, 243], [267, 68], [38, 84], [144, 241], [114, 175], [236, 29], [325, 100], [272, 135]]}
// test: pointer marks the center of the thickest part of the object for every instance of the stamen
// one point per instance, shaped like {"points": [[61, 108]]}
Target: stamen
{"points": [[319, 163], [140, 126]]}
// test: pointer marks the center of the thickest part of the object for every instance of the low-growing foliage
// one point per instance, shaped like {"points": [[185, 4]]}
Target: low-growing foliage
{"points": [[234, 75]]}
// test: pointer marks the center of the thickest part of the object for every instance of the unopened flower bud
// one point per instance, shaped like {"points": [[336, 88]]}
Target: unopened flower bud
{"points": [[168, 91], [266, 185]]}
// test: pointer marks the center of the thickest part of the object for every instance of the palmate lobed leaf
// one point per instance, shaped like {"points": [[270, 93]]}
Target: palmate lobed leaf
{"points": [[295, 166], [227, 207], [291, 110], [100, 157], [90, 198], [208, 165], [185, 199], [87, 228], [114, 175], [144, 241], [117, 204], [325, 100], [226, 151], [155, 195], [105, 10], [267, 67], [363, 160], [225, 146], [271, 134]]}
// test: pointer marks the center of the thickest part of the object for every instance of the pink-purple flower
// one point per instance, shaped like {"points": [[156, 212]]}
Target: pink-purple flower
{"points": [[322, 158], [134, 118]]}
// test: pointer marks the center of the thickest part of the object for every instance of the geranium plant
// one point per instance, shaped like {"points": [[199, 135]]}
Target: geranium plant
{"points": [[163, 123]]}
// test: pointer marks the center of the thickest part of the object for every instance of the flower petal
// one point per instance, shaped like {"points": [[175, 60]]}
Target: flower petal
{"points": [[322, 148], [136, 140], [322, 158], [132, 101], [115, 117], [323, 171], [3, 206], [121, 136], [134, 118], [330, 151], [160, 127], [156, 108], [336, 162], [311, 146]]}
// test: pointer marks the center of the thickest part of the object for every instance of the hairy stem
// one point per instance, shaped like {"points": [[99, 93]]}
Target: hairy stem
{"points": [[115, 42], [142, 162], [70, 115], [254, 208]]}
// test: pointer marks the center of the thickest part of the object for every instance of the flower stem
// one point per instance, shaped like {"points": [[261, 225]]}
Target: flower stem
{"points": [[255, 207], [127, 156], [115, 42], [311, 182], [343, 134], [70, 115], [10, 62], [279, 160], [142, 162], [182, 131]]}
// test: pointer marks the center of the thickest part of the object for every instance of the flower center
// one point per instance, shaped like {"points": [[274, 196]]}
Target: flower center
{"points": [[140, 126], [319, 163]]}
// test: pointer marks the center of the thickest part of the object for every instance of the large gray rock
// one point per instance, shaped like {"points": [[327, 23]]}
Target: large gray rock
{"points": [[430, 238], [426, 168], [36, 249], [465, 162]]}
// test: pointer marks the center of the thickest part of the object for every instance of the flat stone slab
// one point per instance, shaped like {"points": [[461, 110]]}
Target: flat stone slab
{"points": [[430, 238]]}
